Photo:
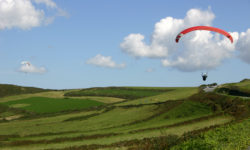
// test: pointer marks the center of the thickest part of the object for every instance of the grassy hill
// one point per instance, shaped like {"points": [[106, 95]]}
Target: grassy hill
{"points": [[43, 105], [241, 88], [119, 92], [125, 118], [8, 90]]}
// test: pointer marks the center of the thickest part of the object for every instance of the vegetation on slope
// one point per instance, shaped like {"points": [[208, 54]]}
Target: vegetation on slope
{"points": [[43, 105], [7, 113], [229, 137], [241, 88], [119, 92], [8, 90], [173, 117], [175, 93]]}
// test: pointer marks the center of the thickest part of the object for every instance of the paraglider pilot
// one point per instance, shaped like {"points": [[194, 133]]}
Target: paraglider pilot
{"points": [[204, 76]]}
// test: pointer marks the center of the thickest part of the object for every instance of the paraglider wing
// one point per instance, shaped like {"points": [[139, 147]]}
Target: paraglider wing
{"points": [[208, 28]]}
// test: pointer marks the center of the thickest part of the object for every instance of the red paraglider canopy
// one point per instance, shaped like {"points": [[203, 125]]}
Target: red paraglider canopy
{"points": [[204, 28]]}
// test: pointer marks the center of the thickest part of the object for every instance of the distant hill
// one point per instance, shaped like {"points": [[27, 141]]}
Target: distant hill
{"points": [[241, 88], [9, 90]]}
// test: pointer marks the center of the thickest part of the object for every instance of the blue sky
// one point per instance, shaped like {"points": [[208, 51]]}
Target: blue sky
{"points": [[70, 34]]}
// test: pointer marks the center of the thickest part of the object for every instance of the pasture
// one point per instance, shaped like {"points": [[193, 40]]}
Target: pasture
{"points": [[115, 118], [119, 92], [42, 105]]}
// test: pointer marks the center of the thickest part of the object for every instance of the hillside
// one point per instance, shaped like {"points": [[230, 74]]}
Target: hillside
{"points": [[125, 118], [9, 90], [241, 88]]}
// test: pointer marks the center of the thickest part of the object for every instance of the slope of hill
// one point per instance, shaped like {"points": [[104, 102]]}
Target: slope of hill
{"points": [[241, 88], [163, 118], [8, 90]]}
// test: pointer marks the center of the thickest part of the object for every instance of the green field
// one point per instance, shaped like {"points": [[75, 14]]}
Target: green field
{"points": [[174, 93], [119, 92], [51, 105], [123, 118]]}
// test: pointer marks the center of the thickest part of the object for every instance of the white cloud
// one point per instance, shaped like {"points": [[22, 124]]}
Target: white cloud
{"points": [[104, 61], [134, 45], [198, 50], [162, 43], [19, 13], [243, 46], [27, 67], [23, 14]]}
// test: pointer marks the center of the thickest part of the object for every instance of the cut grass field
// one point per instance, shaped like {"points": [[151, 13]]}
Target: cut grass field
{"points": [[118, 123], [107, 140], [43, 105], [175, 93], [119, 92], [121, 123], [60, 94]]}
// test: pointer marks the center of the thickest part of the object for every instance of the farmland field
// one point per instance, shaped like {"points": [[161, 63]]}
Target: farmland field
{"points": [[50, 105], [120, 92], [173, 94], [121, 118]]}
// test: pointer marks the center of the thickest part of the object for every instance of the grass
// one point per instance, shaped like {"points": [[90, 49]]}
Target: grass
{"points": [[8, 90], [230, 137], [159, 112], [126, 137], [173, 94], [241, 88], [186, 111], [117, 120], [107, 119], [107, 100], [119, 92], [60, 94], [43, 105], [50, 94]]}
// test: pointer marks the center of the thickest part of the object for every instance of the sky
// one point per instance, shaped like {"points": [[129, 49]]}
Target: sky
{"points": [[63, 44]]}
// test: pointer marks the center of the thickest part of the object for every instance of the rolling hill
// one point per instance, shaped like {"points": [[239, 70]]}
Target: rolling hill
{"points": [[9, 90], [126, 118]]}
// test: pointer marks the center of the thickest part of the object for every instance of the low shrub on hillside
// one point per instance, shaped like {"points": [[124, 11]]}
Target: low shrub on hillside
{"points": [[228, 137], [233, 106], [233, 90], [157, 143]]}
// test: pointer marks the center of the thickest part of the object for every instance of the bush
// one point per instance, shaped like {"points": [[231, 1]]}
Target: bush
{"points": [[231, 136], [157, 143]]}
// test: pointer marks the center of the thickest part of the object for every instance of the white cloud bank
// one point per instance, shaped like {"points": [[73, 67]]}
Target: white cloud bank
{"points": [[27, 67], [198, 50], [104, 61], [23, 13], [243, 46]]}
